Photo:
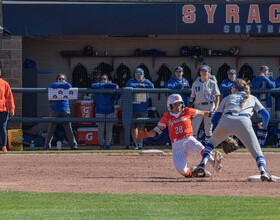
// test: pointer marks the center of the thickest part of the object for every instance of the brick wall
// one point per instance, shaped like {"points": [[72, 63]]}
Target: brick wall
{"points": [[11, 63]]}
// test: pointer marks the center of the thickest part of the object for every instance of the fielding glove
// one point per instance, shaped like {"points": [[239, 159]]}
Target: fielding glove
{"points": [[229, 145]]}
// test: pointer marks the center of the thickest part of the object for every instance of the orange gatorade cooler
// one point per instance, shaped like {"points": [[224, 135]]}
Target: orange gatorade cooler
{"points": [[117, 113], [88, 136], [85, 109]]}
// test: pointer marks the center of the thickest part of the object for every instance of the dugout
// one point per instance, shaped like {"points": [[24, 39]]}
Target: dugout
{"points": [[116, 29]]}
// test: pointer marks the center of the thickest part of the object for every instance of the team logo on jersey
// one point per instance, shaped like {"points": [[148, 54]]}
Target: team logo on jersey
{"points": [[208, 96], [172, 122]]}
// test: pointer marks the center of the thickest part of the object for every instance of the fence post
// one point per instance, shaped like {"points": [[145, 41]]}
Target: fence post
{"points": [[127, 99]]}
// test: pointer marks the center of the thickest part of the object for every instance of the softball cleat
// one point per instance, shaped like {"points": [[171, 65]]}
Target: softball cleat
{"points": [[217, 161], [200, 172], [265, 176]]}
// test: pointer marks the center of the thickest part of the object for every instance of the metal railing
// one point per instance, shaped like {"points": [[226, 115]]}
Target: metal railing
{"points": [[126, 106]]}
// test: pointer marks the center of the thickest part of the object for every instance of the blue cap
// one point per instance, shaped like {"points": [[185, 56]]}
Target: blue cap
{"points": [[264, 68], [231, 71], [206, 68], [139, 71]]}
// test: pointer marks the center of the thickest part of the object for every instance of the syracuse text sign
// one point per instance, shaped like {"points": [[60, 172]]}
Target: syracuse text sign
{"points": [[32, 18]]}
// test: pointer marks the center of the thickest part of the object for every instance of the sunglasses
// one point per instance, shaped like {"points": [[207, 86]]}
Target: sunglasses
{"points": [[103, 79], [61, 78]]}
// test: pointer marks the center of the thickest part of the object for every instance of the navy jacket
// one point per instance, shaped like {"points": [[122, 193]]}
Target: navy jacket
{"points": [[174, 83], [142, 106], [277, 95], [257, 84], [104, 102], [226, 86]]}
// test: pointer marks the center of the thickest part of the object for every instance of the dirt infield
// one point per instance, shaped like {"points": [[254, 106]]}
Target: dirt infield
{"points": [[131, 173]]}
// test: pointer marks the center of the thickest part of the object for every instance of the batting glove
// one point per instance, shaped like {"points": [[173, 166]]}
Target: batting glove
{"points": [[143, 134]]}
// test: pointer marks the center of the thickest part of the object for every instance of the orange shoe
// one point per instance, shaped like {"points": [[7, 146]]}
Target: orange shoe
{"points": [[4, 150], [188, 174]]}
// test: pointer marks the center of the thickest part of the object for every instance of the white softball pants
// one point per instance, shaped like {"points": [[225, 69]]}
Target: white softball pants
{"points": [[181, 149]]}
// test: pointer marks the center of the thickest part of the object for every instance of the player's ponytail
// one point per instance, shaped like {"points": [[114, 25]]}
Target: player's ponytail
{"points": [[246, 88]]}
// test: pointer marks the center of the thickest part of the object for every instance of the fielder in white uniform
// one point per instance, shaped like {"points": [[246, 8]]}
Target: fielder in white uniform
{"points": [[206, 97], [179, 123], [238, 109]]}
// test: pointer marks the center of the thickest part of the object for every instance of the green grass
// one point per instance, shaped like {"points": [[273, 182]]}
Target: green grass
{"points": [[23, 205]]}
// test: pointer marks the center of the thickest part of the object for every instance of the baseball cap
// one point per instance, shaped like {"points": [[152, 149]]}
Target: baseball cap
{"points": [[264, 68], [206, 68], [139, 71], [178, 69], [232, 71]]}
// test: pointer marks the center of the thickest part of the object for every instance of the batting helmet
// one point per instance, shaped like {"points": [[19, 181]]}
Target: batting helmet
{"points": [[234, 51], [196, 52], [173, 99], [185, 51]]}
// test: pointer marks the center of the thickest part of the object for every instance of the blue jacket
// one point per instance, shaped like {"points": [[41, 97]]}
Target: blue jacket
{"points": [[174, 83], [104, 102], [257, 84], [143, 106], [60, 105], [277, 95], [226, 86]]}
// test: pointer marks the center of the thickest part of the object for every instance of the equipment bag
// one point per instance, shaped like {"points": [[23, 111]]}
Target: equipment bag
{"points": [[187, 73], [222, 73], [102, 68], [246, 72], [164, 75], [122, 75], [146, 71], [80, 77]]}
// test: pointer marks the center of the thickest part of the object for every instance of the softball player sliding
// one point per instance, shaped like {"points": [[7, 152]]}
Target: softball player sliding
{"points": [[205, 96], [179, 123], [238, 109]]}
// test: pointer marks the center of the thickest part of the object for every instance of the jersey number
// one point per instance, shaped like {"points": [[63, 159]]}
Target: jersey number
{"points": [[197, 88], [179, 130], [238, 100]]}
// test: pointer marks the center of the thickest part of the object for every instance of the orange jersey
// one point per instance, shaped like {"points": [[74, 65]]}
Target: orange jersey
{"points": [[6, 97], [180, 127]]}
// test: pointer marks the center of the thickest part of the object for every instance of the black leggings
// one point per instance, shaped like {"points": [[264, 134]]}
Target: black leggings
{"points": [[4, 116]]}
